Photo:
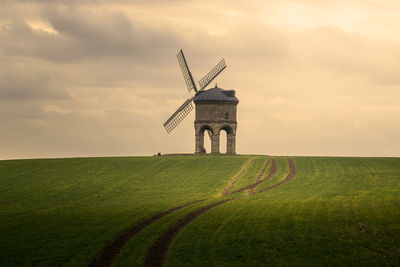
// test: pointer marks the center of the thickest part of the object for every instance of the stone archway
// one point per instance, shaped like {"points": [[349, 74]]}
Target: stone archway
{"points": [[215, 109], [200, 138], [223, 137], [215, 130], [230, 138]]}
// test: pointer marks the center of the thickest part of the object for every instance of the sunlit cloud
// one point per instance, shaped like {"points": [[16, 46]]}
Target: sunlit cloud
{"points": [[97, 78]]}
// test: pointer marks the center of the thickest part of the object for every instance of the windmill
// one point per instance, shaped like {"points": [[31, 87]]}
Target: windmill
{"points": [[187, 106]]}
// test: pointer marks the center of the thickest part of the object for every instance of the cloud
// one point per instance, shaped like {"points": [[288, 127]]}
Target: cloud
{"points": [[95, 78], [84, 35], [350, 53], [22, 83]]}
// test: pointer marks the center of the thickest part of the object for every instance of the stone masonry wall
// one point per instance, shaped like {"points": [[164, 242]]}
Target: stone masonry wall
{"points": [[215, 116]]}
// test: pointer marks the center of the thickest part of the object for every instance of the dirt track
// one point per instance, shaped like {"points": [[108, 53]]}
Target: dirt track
{"points": [[272, 171], [234, 180], [263, 170], [110, 251], [157, 252], [290, 176]]}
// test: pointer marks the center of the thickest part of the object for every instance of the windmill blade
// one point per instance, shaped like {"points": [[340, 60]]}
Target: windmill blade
{"points": [[212, 74], [179, 115], [187, 75]]}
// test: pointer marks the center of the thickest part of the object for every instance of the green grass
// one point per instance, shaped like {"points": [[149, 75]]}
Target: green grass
{"points": [[282, 172], [252, 172], [63, 211], [312, 220], [336, 211]]}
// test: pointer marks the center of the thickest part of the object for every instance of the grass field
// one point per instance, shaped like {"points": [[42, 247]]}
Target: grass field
{"points": [[335, 211]]}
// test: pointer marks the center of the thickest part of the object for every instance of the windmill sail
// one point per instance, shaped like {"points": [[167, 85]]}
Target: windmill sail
{"points": [[179, 115], [212, 74], [187, 107], [187, 75]]}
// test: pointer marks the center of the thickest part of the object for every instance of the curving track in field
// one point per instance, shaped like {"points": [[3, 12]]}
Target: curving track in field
{"points": [[290, 176], [156, 254], [235, 179], [107, 256], [272, 172]]}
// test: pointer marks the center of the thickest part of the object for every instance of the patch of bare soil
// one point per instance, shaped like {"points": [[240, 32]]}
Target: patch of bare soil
{"points": [[157, 252], [107, 256]]}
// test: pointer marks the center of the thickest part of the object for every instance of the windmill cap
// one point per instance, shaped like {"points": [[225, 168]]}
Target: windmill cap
{"points": [[216, 94]]}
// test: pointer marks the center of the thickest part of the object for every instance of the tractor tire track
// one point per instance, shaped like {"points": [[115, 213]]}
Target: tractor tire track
{"points": [[110, 251], [264, 169], [290, 176], [235, 179], [272, 172], [156, 254]]}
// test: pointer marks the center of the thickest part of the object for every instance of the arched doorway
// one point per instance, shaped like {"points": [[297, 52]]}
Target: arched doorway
{"points": [[205, 134], [223, 141], [226, 137]]}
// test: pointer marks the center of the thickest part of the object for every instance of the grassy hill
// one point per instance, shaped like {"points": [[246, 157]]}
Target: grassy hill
{"points": [[334, 211]]}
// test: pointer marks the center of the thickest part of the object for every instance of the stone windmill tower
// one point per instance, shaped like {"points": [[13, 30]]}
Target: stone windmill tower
{"points": [[215, 112], [215, 109]]}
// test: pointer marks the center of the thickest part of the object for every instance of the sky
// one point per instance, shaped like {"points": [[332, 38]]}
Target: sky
{"points": [[99, 78]]}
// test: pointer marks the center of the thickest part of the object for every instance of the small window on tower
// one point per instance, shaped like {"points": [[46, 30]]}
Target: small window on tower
{"points": [[227, 115]]}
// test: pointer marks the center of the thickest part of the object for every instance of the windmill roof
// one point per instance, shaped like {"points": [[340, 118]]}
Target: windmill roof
{"points": [[216, 94]]}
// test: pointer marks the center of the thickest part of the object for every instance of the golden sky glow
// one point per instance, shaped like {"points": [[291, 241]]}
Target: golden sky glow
{"points": [[90, 78]]}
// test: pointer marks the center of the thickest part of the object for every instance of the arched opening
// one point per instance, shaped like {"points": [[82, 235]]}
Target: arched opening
{"points": [[223, 141], [205, 134], [225, 133], [207, 141]]}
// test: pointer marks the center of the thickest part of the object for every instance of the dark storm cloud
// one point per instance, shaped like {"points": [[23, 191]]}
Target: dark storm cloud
{"points": [[112, 35], [84, 35]]}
